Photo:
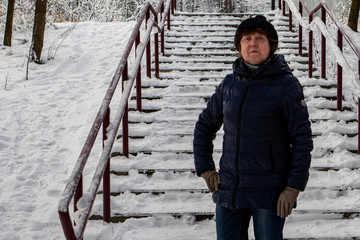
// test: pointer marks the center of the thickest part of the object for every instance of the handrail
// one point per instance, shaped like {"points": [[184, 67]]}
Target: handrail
{"points": [[325, 35], [74, 188]]}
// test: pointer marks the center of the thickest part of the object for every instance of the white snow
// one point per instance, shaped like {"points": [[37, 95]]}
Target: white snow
{"points": [[44, 122]]}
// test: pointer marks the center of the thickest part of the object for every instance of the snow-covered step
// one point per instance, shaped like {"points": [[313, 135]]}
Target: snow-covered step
{"points": [[221, 25], [186, 228], [195, 67], [176, 59], [332, 159], [172, 116], [223, 21], [199, 103], [140, 130], [204, 53], [200, 34], [326, 114], [323, 127], [211, 67], [181, 128], [221, 15], [192, 82], [172, 143], [200, 206], [333, 140], [175, 115], [217, 53], [219, 18], [312, 201], [206, 24], [337, 159], [291, 59], [223, 46], [323, 103]]}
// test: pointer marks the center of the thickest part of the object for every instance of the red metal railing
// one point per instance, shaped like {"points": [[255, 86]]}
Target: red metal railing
{"points": [[74, 229], [341, 34]]}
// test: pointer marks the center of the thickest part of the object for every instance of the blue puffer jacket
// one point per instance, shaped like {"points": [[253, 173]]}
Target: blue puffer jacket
{"points": [[267, 135]]}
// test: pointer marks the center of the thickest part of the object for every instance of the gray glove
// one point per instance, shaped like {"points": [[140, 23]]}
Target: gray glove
{"points": [[212, 179], [286, 201]]}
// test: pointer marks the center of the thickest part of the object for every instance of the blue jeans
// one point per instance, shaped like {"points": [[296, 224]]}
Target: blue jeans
{"points": [[233, 224]]}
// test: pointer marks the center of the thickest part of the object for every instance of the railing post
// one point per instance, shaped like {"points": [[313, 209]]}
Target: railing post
{"points": [[156, 49], [300, 29], [106, 175], [168, 21], [162, 33], [283, 6], [173, 6], [78, 193], [272, 4], [279, 4], [310, 48], [148, 49], [290, 20], [138, 77], [339, 73], [126, 116], [67, 225], [163, 42], [323, 45], [157, 68]]}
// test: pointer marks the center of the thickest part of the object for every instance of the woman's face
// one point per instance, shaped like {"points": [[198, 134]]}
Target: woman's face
{"points": [[255, 48]]}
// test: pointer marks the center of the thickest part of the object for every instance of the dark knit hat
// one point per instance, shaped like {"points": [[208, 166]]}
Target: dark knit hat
{"points": [[254, 23]]}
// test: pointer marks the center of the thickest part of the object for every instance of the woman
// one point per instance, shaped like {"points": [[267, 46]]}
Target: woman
{"points": [[267, 138]]}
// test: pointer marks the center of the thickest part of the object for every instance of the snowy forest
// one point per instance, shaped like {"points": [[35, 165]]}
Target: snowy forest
{"points": [[123, 10], [105, 10]]}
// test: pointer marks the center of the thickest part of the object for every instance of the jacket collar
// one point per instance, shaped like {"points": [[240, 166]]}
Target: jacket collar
{"points": [[274, 66]]}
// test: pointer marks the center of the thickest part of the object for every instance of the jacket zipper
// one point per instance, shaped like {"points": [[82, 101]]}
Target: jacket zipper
{"points": [[238, 142]]}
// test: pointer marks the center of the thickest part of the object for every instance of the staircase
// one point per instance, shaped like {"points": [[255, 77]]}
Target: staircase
{"points": [[156, 194]]}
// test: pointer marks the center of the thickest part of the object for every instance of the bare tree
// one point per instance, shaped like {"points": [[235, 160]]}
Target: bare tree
{"points": [[9, 23], [39, 28], [354, 14]]}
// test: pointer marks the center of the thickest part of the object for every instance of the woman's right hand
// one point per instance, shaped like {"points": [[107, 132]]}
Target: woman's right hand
{"points": [[212, 179]]}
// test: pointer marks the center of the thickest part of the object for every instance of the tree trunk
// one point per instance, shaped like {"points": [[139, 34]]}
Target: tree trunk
{"points": [[354, 14], [9, 23], [39, 28]]}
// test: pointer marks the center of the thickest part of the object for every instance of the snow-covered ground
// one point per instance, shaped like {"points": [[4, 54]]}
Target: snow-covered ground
{"points": [[44, 122]]}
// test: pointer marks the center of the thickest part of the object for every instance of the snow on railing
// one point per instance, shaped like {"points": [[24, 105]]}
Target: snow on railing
{"points": [[74, 189], [327, 40]]}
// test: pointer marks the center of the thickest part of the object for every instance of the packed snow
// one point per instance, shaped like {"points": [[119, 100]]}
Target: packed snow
{"points": [[44, 122]]}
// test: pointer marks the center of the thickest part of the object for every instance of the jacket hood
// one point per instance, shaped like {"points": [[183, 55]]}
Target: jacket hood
{"points": [[277, 65]]}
